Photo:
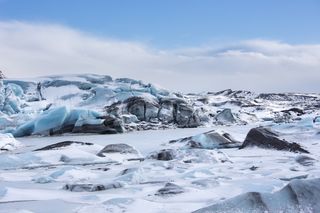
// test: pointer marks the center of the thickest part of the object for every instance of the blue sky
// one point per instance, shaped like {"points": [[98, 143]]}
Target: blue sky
{"points": [[176, 23], [184, 45]]}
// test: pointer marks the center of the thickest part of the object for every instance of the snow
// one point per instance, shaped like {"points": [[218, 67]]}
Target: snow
{"points": [[206, 181], [8, 142], [35, 181]]}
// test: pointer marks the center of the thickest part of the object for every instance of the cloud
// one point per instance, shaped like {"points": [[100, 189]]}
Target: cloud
{"points": [[29, 49]]}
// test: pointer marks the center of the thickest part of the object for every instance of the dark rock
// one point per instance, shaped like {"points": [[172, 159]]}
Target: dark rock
{"points": [[298, 196], [164, 155], [185, 116], [265, 138], [84, 187], [253, 168], [62, 145], [170, 189], [298, 111], [94, 128], [117, 148], [316, 119], [87, 187], [142, 108]]}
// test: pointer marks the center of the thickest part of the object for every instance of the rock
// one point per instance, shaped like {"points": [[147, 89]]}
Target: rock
{"points": [[316, 119], [209, 140], [62, 145], [225, 117], [87, 187], [185, 116], [170, 189], [297, 111], [142, 108], [298, 196], [117, 148], [265, 138], [165, 113], [112, 122], [94, 128], [164, 155]]}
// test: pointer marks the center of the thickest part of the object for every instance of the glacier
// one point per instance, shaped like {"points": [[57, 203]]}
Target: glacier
{"points": [[80, 143]]}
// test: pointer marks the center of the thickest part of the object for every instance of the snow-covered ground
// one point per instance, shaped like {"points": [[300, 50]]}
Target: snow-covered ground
{"points": [[34, 181], [165, 168]]}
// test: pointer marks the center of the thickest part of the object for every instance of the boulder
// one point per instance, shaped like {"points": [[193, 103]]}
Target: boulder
{"points": [[164, 155], [88, 187], [170, 189], [295, 110], [264, 138], [117, 148]]}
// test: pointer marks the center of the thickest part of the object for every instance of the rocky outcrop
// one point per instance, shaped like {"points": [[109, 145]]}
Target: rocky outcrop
{"points": [[264, 138], [164, 110], [298, 196], [142, 108]]}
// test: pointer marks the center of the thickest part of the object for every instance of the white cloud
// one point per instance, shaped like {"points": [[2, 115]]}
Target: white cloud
{"points": [[28, 49]]}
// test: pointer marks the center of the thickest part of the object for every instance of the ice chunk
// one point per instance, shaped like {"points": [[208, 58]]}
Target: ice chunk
{"points": [[56, 119], [8, 142]]}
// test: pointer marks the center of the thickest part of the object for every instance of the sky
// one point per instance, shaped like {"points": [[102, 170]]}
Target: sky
{"points": [[183, 45]]}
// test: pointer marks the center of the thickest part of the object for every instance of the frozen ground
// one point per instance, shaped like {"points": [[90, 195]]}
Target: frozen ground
{"points": [[34, 181], [164, 168]]}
